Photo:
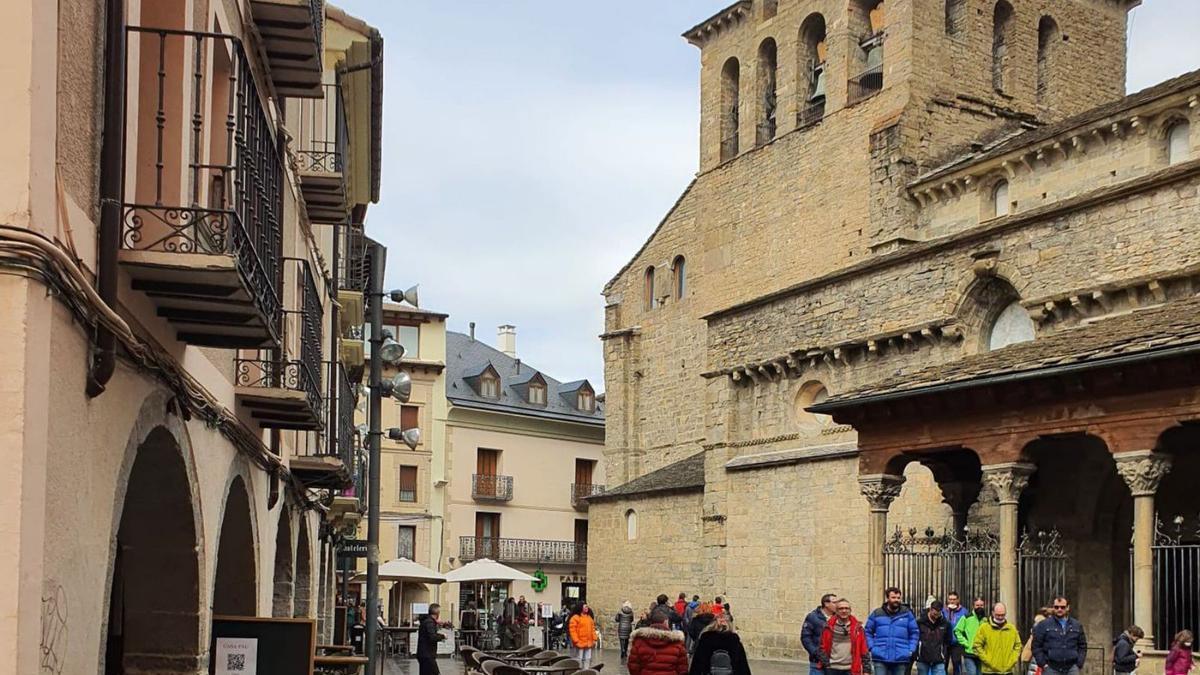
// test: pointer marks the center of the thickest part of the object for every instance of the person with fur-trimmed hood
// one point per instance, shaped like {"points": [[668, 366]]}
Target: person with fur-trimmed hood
{"points": [[656, 649]]}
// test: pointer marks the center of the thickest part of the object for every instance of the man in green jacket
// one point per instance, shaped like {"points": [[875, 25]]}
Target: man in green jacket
{"points": [[964, 634], [997, 643]]}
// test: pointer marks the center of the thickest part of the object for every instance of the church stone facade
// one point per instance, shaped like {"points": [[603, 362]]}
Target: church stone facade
{"points": [[894, 195]]}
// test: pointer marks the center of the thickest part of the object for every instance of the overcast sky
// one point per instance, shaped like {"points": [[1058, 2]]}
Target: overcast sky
{"points": [[530, 147]]}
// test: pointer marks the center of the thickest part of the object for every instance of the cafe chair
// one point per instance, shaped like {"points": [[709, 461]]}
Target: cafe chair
{"points": [[558, 659], [490, 667], [509, 670], [568, 665], [543, 656], [589, 671]]}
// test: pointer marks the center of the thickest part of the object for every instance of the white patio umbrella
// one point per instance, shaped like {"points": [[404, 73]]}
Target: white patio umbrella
{"points": [[403, 569], [486, 570]]}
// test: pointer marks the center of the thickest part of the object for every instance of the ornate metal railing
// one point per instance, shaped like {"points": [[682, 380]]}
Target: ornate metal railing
{"points": [[865, 84], [1176, 565], [522, 550], [352, 267], [581, 491], [492, 488], [308, 316], [341, 409], [207, 173], [322, 132], [317, 7]]}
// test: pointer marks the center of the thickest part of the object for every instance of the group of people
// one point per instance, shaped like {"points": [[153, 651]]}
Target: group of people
{"points": [[946, 637], [685, 637]]}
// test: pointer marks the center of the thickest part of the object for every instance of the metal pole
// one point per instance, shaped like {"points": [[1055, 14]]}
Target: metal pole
{"points": [[378, 256]]}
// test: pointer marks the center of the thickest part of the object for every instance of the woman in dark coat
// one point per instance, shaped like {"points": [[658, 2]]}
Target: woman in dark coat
{"points": [[624, 620], [719, 636]]}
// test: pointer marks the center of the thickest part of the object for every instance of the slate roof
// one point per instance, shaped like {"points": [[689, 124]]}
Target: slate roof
{"points": [[1010, 140], [468, 358], [682, 476], [1169, 329]]}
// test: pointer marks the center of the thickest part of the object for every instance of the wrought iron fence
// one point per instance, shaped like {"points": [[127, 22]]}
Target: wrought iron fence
{"points": [[321, 132], [206, 168], [487, 486], [934, 564], [522, 550], [812, 112], [1176, 565], [865, 84], [581, 491]]}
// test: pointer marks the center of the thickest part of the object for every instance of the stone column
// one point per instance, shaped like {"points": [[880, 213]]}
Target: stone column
{"points": [[880, 490], [1142, 470], [1008, 480]]}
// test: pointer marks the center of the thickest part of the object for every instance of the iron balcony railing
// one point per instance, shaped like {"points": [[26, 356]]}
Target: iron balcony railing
{"points": [[280, 368], [321, 132], [352, 264], [342, 402], [204, 162], [812, 112], [317, 7], [522, 550], [865, 84], [581, 491], [491, 488]]}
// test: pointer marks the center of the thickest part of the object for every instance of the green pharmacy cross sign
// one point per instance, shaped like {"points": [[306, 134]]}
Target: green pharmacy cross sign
{"points": [[540, 581]]}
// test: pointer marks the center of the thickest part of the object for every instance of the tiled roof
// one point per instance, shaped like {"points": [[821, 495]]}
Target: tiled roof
{"points": [[686, 474], [1009, 140], [1140, 334], [467, 358]]}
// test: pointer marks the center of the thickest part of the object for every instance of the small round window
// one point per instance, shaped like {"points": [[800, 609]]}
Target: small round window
{"points": [[811, 394]]}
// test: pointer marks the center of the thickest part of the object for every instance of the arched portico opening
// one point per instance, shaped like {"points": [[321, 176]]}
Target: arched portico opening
{"points": [[281, 601], [234, 588], [154, 603], [303, 587]]}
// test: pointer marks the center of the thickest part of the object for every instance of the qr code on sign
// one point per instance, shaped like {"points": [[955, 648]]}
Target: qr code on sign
{"points": [[235, 663]]}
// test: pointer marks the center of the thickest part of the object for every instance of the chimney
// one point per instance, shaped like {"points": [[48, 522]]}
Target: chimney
{"points": [[506, 340], [472, 331]]}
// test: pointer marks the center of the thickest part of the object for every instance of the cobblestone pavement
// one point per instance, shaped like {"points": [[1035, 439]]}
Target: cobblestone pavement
{"points": [[610, 659]]}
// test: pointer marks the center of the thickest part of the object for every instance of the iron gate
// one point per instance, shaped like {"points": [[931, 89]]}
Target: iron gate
{"points": [[1176, 565], [934, 564]]}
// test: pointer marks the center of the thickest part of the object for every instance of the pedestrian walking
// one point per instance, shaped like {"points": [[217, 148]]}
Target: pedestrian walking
{"points": [[813, 628], [997, 643], [843, 644], [624, 620], [1126, 655], [1059, 643], [428, 636], [964, 634], [1179, 659], [954, 611], [582, 631], [719, 651], [933, 647], [1031, 666], [674, 620], [703, 617], [892, 635], [656, 649], [681, 604]]}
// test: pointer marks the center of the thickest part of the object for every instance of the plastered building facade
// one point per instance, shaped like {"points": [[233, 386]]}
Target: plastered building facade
{"points": [[894, 196], [175, 379]]}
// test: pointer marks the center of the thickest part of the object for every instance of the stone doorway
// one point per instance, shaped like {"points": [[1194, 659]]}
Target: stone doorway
{"points": [[154, 603]]}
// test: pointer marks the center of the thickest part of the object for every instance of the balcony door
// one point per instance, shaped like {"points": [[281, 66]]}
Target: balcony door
{"points": [[487, 535], [487, 467], [583, 471]]}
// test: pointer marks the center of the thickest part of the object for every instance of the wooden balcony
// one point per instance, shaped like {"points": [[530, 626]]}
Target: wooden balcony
{"points": [[292, 32], [200, 231]]}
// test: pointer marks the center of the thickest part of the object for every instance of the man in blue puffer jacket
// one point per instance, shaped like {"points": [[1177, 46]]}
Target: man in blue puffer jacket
{"points": [[892, 635]]}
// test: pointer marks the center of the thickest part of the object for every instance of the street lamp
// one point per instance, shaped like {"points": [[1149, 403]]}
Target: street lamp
{"points": [[399, 387], [409, 295], [391, 352], [410, 437]]}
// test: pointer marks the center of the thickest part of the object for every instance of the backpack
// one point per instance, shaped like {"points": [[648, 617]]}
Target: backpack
{"points": [[720, 663]]}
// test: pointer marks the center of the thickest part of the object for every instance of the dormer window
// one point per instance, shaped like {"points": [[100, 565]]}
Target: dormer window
{"points": [[489, 386], [537, 394], [585, 400]]}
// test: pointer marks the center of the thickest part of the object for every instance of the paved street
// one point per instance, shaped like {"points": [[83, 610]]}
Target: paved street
{"points": [[610, 659]]}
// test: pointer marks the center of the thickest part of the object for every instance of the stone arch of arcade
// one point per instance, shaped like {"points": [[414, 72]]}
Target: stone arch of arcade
{"points": [[1086, 450], [154, 606], [284, 580], [235, 584]]}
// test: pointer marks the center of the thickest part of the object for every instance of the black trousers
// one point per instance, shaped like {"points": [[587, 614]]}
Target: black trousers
{"points": [[428, 665]]}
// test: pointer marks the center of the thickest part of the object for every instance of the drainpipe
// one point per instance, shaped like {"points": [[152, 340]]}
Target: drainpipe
{"points": [[112, 184]]}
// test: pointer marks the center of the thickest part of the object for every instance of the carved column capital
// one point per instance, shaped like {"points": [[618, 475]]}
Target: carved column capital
{"points": [[880, 489], [959, 495], [1008, 480], [1142, 470]]}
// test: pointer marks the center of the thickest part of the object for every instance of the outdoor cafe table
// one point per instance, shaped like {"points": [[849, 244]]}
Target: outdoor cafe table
{"points": [[554, 668], [339, 664]]}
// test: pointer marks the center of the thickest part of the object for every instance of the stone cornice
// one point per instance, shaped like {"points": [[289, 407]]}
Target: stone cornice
{"points": [[846, 353], [701, 33], [1091, 302]]}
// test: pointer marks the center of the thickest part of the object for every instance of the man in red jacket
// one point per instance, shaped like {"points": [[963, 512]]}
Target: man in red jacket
{"points": [[844, 644], [656, 649]]}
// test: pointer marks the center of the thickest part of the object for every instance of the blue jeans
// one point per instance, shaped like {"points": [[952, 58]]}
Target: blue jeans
{"points": [[970, 665], [931, 669], [814, 668], [891, 668]]}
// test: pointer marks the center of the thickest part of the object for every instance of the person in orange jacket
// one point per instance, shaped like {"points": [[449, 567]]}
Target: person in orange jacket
{"points": [[582, 630]]}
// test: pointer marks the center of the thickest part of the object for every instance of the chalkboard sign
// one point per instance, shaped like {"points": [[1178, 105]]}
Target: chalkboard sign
{"points": [[246, 645]]}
